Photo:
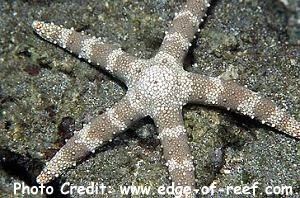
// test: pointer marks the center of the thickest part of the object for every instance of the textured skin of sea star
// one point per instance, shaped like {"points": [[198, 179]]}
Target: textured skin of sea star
{"points": [[157, 87]]}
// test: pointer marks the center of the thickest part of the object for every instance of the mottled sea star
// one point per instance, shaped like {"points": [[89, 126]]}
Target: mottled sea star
{"points": [[157, 87]]}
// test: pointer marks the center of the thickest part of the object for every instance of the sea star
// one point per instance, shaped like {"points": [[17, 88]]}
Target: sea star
{"points": [[157, 87]]}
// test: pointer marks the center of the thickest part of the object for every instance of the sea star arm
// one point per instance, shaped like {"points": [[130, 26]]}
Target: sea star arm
{"points": [[183, 28], [94, 50], [103, 128], [209, 90], [173, 138]]}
